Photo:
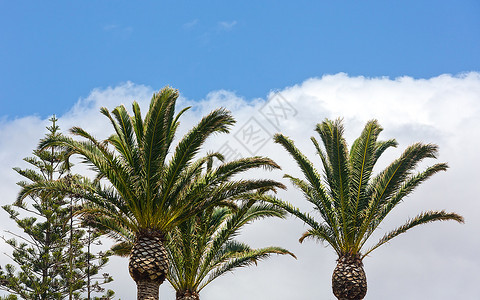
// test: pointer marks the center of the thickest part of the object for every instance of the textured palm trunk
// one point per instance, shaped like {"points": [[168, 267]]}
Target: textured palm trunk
{"points": [[187, 295], [349, 281], [148, 264], [147, 290]]}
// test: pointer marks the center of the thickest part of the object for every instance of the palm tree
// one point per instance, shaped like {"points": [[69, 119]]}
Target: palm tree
{"points": [[143, 191], [351, 201], [202, 244], [203, 248]]}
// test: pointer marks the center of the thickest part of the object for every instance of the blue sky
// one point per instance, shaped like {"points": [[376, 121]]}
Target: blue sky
{"points": [[54, 52], [412, 65]]}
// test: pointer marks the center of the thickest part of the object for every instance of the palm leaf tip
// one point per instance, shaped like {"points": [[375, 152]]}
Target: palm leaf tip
{"points": [[281, 139], [122, 249], [286, 252], [431, 216], [423, 218], [460, 219], [277, 136]]}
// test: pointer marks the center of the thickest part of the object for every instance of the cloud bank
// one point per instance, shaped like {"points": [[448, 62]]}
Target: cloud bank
{"points": [[437, 261]]}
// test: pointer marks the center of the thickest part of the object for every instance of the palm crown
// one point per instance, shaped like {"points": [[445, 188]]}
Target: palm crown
{"points": [[148, 190]]}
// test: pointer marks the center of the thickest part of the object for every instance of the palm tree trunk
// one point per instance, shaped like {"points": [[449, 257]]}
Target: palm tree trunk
{"points": [[349, 281], [147, 290], [148, 264], [187, 295]]}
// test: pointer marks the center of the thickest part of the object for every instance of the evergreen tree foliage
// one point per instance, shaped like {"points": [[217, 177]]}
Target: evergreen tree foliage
{"points": [[52, 259]]}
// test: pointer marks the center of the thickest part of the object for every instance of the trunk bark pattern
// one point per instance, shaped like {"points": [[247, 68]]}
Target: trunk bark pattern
{"points": [[148, 264], [187, 295], [349, 281], [147, 290]]}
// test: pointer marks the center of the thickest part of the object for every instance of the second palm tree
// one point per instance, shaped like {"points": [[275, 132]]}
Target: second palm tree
{"points": [[203, 248]]}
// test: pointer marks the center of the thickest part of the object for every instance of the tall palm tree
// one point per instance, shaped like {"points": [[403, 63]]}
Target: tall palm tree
{"points": [[202, 244], [351, 201], [141, 189]]}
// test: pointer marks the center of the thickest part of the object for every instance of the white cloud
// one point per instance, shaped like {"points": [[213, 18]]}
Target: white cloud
{"points": [[190, 24], [227, 25], [118, 31], [443, 110]]}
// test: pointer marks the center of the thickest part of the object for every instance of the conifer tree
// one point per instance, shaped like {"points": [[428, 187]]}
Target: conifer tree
{"points": [[52, 258]]}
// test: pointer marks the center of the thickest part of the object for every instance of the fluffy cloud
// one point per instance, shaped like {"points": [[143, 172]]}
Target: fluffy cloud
{"points": [[436, 261], [227, 25]]}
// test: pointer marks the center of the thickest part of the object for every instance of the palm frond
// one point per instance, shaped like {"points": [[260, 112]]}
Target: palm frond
{"points": [[217, 121], [361, 164], [323, 206], [305, 217], [305, 165], [156, 143], [227, 170], [138, 123], [324, 234], [243, 260], [128, 147], [381, 147], [423, 218], [387, 183], [122, 249], [310, 173], [200, 196], [331, 133], [189, 187]]}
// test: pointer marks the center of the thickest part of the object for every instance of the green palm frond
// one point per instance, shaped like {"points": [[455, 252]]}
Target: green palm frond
{"points": [[333, 239], [228, 169], [116, 226], [331, 133], [361, 165], [157, 137], [215, 186], [381, 147], [122, 249], [217, 121], [323, 234], [124, 140], [137, 122], [423, 218], [323, 206], [40, 187], [104, 161], [407, 187], [305, 165], [389, 182], [311, 175], [244, 259]]}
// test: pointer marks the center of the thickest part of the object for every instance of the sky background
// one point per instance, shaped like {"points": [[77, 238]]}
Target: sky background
{"points": [[413, 65]]}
